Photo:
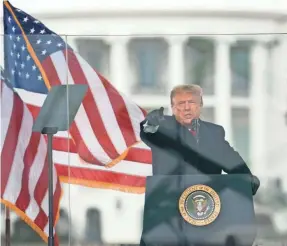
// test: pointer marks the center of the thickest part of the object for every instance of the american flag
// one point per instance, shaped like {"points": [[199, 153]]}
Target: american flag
{"points": [[102, 147], [24, 165]]}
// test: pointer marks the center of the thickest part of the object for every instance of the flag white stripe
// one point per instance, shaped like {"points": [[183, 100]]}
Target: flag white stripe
{"points": [[34, 175], [81, 118], [104, 106], [6, 107], [33, 98], [136, 116], [125, 167], [13, 188]]}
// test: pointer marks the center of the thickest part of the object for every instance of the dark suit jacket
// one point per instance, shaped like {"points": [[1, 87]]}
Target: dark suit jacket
{"points": [[175, 150]]}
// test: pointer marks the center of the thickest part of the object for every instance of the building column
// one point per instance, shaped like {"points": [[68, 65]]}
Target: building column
{"points": [[176, 65], [258, 108], [119, 64], [223, 85]]}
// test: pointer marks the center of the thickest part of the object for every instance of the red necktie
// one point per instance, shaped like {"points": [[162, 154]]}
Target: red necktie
{"points": [[192, 132]]}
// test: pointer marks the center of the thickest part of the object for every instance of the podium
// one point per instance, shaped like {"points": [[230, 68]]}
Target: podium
{"points": [[198, 210]]}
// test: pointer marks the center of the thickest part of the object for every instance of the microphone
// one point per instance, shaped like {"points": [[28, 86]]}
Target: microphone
{"points": [[195, 127]]}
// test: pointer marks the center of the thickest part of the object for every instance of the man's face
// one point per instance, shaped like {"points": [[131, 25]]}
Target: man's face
{"points": [[186, 107]]}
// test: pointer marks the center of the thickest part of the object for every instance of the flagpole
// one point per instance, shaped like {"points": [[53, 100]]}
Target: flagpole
{"points": [[7, 226]]}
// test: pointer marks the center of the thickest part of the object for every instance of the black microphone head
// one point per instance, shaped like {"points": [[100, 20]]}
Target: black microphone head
{"points": [[195, 125]]}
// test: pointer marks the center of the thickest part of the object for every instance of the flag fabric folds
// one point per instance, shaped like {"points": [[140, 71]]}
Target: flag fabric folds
{"points": [[24, 165], [102, 147]]}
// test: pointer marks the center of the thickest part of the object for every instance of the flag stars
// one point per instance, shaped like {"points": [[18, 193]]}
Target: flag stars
{"points": [[15, 63], [11, 53], [14, 46], [36, 21], [11, 37], [23, 47], [27, 75], [12, 71], [59, 44], [32, 30], [25, 19], [18, 39], [39, 41], [42, 31], [28, 57], [49, 42], [22, 65], [44, 52], [13, 28], [18, 55], [39, 77], [9, 19], [33, 67]]}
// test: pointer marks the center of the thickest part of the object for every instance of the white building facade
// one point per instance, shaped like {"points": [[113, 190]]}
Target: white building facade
{"points": [[236, 52]]}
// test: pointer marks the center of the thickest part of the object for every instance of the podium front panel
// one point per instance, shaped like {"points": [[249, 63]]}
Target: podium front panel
{"points": [[165, 225]]}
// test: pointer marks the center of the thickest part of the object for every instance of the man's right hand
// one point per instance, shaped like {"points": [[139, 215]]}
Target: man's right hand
{"points": [[155, 117]]}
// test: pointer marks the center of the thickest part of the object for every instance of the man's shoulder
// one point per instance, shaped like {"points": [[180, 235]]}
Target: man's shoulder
{"points": [[212, 126]]}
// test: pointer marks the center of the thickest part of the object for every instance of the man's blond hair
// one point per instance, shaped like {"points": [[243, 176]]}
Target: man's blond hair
{"points": [[191, 88]]}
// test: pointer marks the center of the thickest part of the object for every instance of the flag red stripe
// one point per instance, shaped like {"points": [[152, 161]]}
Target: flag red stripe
{"points": [[11, 141], [34, 110], [62, 144], [23, 199], [89, 103], [121, 112], [101, 176], [40, 191], [83, 150], [41, 220], [139, 155]]}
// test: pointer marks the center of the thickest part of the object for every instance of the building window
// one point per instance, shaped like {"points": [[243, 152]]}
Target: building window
{"points": [[199, 64], [93, 232], [241, 132], [148, 60], [96, 53], [240, 68]]}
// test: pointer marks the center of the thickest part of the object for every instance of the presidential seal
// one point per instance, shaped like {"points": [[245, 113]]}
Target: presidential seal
{"points": [[199, 205]]}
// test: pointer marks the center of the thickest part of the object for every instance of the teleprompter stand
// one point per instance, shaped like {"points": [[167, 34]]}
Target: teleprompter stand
{"points": [[57, 114]]}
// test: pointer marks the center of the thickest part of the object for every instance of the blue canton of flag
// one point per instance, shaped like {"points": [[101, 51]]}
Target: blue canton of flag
{"points": [[24, 37], [4, 79]]}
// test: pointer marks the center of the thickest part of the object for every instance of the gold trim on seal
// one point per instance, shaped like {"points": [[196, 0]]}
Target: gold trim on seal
{"points": [[212, 193]]}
